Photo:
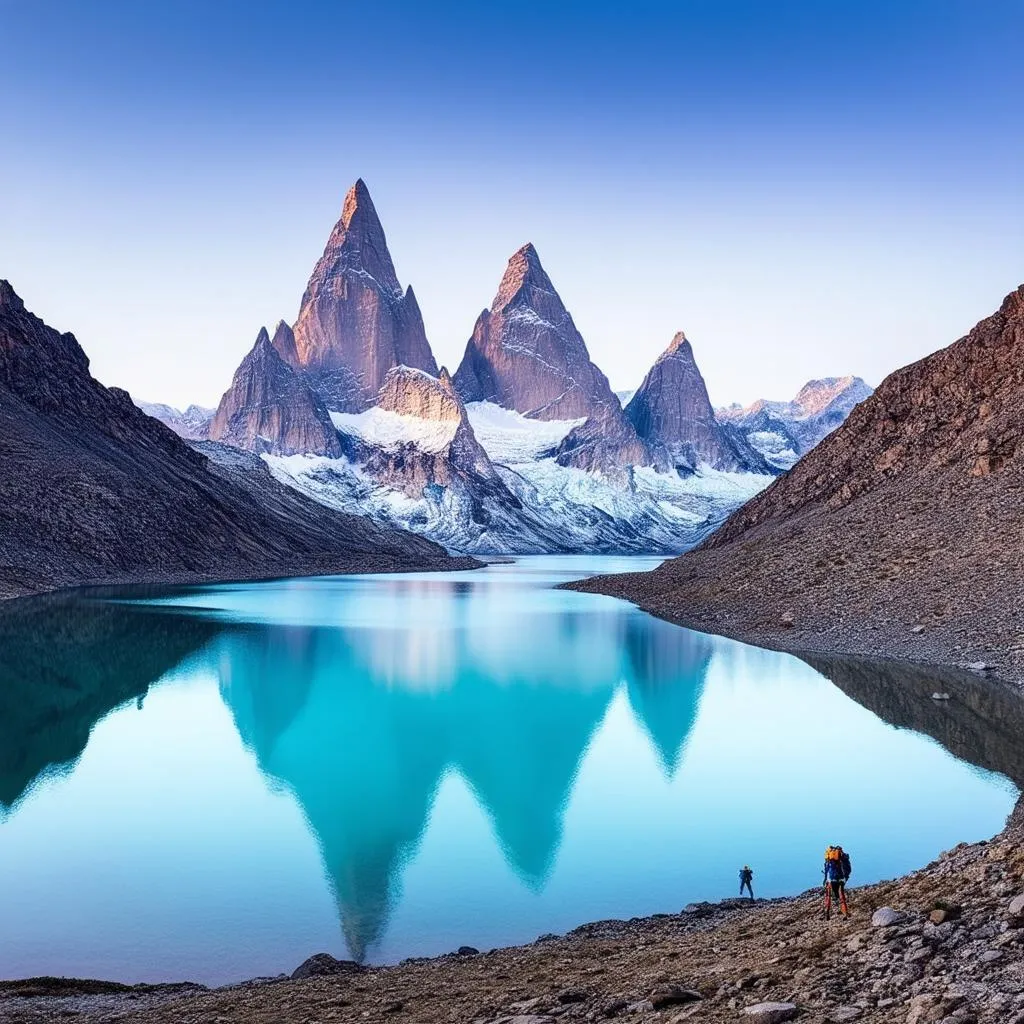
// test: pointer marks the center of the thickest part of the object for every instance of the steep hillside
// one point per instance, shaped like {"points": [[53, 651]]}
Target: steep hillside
{"points": [[92, 490], [899, 534]]}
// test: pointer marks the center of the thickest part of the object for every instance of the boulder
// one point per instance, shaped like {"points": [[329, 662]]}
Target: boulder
{"points": [[886, 917], [672, 995], [321, 964], [771, 1013]]}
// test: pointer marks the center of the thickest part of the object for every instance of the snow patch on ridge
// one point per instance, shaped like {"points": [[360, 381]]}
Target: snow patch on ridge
{"points": [[391, 430], [509, 437]]}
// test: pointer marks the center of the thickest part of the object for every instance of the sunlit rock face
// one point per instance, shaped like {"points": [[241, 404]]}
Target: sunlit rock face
{"points": [[355, 323], [268, 408], [526, 354]]}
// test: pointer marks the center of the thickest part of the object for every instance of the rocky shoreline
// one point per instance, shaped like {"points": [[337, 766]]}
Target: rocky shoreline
{"points": [[945, 943]]}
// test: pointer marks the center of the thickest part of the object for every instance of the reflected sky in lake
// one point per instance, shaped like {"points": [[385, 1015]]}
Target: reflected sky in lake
{"points": [[215, 783]]}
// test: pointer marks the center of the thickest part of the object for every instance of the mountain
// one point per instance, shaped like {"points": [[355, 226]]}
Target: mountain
{"points": [[526, 354], [193, 424], [355, 322], [783, 431], [93, 490], [671, 411], [899, 534], [269, 408]]}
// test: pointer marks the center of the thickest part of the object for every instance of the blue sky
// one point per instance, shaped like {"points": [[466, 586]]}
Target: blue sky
{"points": [[804, 188]]}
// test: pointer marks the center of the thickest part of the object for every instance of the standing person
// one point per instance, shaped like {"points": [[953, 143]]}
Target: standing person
{"points": [[837, 870], [746, 878]]}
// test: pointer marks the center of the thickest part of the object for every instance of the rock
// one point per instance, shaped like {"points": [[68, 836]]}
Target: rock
{"points": [[787, 618], [640, 1006], [917, 629], [771, 1013], [526, 1018], [1016, 907], [572, 995], [671, 410], [886, 917], [671, 995], [526, 354], [978, 666], [990, 956], [938, 916], [269, 408], [467, 951], [355, 323], [323, 964], [844, 1014], [940, 696]]}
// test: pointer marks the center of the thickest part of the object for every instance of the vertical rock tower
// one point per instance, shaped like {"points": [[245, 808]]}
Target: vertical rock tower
{"points": [[355, 322]]}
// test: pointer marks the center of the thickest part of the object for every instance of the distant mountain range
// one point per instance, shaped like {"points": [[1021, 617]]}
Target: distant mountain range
{"points": [[525, 448]]}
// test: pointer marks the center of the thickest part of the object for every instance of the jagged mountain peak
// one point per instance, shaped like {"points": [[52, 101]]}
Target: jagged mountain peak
{"points": [[358, 242], [284, 342], [9, 298], [355, 323], [671, 411], [523, 273], [269, 408]]}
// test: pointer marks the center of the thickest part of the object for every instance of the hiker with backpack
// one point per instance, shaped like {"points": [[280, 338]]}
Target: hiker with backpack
{"points": [[746, 878], [837, 872]]}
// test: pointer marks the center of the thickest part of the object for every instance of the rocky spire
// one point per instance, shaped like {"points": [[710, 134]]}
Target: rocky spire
{"points": [[268, 408], [354, 322], [671, 409]]}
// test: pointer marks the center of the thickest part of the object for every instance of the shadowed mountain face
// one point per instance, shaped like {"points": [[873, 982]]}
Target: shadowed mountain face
{"points": [[355, 323], [671, 410], [64, 664], [268, 408], [92, 490]]}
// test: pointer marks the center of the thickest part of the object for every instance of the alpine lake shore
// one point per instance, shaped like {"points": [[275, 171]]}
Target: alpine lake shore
{"points": [[942, 944]]}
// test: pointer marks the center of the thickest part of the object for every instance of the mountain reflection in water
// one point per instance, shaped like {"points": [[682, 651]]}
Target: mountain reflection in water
{"points": [[618, 763]]}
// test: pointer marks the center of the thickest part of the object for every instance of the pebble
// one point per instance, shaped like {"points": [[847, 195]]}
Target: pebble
{"points": [[1016, 907]]}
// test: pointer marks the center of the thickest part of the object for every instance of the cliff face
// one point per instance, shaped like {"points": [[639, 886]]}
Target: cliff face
{"points": [[526, 354], [93, 490], [355, 323], [899, 534], [671, 410], [268, 408]]}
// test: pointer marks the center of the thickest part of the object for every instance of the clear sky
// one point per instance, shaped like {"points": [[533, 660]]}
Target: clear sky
{"points": [[805, 188]]}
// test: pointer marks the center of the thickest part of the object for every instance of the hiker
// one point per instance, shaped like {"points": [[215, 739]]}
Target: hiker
{"points": [[746, 877], [837, 872]]}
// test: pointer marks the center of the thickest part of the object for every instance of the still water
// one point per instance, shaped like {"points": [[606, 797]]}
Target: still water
{"points": [[215, 783]]}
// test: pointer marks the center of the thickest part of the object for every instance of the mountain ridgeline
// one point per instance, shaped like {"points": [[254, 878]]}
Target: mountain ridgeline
{"points": [[899, 534], [544, 456], [92, 490]]}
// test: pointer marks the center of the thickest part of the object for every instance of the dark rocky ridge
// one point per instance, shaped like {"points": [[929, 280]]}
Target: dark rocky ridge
{"points": [[355, 323], [269, 408], [671, 410], [526, 354], [898, 535], [94, 491]]}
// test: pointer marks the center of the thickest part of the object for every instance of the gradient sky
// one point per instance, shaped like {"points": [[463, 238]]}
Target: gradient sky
{"points": [[806, 188]]}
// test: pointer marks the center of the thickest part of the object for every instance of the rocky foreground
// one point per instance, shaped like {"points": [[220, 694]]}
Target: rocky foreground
{"points": [[943, 944]]}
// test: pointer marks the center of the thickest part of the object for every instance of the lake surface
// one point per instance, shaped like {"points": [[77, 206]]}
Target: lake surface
{"points": [[215, 783]]}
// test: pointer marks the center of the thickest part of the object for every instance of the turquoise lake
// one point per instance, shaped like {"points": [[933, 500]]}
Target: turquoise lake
{"points": [[214, 783]]}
